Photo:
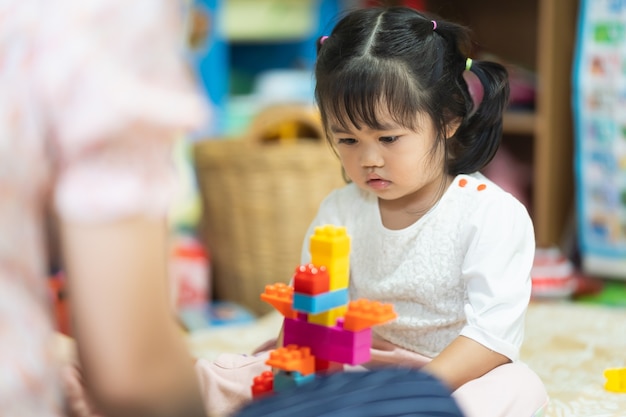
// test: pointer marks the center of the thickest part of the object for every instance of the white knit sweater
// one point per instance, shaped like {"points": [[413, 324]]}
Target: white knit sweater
{"points": [[461, 269]]}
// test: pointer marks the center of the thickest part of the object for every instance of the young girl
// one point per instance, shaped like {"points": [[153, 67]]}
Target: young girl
{"points": [[413, 121]]}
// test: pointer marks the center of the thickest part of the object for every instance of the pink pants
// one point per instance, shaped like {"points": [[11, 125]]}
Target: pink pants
{"points": [[511, 390]]}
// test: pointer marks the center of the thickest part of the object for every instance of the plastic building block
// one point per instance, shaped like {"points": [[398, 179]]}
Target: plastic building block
{"points": [[326, 367], [293, 358], [615, 379], [329, 343], [263, 384], [353, 355], [280, 296], [321, 331], [284, 380], [331, 241], [314, 304], [328, 318], [330, 246], [310, 279], [363, 314]]}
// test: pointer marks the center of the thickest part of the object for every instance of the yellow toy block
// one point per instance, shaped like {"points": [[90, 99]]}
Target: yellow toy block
{"points": [[615, 379], [363, 314], [328, 318], [330, 246], [293, 358]]}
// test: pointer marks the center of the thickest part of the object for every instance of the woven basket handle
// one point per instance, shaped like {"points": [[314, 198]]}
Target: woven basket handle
{"points": [[285, 124]]}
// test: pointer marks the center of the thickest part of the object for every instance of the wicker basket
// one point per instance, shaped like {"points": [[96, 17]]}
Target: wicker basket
{"points": [[260, 193]]}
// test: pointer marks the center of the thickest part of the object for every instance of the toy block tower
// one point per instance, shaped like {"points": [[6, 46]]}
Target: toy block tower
{"points": [[322, 330]]}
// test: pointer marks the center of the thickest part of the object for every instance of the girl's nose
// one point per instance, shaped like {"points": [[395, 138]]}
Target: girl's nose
{"points": [[371, 158]]}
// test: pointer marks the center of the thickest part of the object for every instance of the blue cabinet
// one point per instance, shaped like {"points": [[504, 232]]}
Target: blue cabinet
{"points": [[224, 66]]}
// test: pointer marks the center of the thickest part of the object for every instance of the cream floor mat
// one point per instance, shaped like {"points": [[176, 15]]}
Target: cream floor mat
{"points": [[568, 344]]}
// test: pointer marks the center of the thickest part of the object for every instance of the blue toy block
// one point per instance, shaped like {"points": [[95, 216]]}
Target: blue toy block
{"points": [[314, 304], [284, 380]]}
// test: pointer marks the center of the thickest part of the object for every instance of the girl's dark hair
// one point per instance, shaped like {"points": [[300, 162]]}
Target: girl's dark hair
{"points": [[395, 57]]}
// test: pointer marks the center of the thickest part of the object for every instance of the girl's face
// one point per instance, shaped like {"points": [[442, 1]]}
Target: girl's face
{"points": [[399, 165]]}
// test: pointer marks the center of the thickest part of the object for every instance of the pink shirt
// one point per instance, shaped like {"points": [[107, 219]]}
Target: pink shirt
{"points": [[92, 94]]}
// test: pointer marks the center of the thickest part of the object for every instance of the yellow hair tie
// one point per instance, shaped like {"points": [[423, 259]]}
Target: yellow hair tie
{"points": [[468, 64]]}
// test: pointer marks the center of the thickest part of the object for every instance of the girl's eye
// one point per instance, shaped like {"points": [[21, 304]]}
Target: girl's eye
{"points": [[388, 139], [346, 141]]}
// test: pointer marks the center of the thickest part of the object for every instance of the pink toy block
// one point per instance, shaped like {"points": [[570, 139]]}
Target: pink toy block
{"points": [[329, 343], [352, 356], [363, 314], [310, 279]]}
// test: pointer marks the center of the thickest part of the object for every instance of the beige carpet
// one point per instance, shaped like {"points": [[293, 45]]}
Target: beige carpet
{"points": [[568, 344]]}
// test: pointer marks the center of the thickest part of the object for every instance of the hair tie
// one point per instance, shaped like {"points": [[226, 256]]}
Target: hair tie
{"points": [[434, 24], [323, 39], [468, 64]]}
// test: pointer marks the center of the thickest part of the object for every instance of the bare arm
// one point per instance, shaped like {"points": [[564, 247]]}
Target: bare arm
{"points": [[133, 355], [462, 361]]}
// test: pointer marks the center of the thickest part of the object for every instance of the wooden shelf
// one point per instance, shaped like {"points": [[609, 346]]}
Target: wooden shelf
{"points": [[538, 35], [519, 122]]}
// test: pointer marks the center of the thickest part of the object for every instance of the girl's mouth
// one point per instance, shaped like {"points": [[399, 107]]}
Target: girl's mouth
{"points": [[378, 183]]}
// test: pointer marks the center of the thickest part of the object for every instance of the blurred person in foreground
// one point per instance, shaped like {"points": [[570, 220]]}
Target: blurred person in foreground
{"points": [[93, 95]]}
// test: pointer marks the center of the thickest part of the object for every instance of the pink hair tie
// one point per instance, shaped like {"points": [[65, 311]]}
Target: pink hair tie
{"points": [[434, 24], [323, 39]]}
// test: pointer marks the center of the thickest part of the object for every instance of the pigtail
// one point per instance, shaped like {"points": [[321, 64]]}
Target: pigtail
{"points": [[479, 135]]}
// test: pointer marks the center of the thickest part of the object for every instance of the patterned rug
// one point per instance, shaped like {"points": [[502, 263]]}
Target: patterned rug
{"points": [[568, 344]]}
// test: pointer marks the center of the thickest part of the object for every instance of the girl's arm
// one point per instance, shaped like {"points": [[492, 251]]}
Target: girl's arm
{"points": [[462, 361]]}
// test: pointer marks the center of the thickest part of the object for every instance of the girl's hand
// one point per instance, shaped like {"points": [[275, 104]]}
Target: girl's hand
{"points": [[78, 403]]}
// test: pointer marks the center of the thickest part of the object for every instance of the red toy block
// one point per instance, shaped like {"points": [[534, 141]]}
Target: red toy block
{"points": [[293, 358], [280, 296], [363, 314], [263, 384], [310, 279], [326, 367]]}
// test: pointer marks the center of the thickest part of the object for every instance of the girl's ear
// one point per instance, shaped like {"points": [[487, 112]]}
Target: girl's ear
{"points": [[452, 127]]}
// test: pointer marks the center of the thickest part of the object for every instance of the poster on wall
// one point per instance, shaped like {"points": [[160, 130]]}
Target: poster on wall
{"points": [[599, 102]]}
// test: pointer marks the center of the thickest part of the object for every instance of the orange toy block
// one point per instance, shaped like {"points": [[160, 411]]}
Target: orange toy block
{"points": [[263, 384], [280, 296], [363, 314], [293, 358]]}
